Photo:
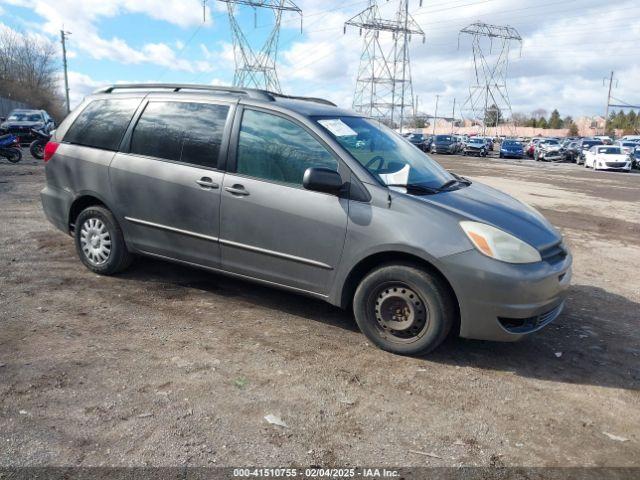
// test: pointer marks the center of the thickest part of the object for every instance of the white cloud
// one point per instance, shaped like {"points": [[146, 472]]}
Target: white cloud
{"points": [[567, 50], [82, 18]]}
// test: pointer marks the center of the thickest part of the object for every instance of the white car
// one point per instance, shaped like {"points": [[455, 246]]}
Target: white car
{"points": [[627, 146], [607, 157]]}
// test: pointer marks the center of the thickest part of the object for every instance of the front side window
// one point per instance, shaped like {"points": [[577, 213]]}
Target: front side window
{"points": [[180, 131], [273, 148], [102, 123], [390, 158]]}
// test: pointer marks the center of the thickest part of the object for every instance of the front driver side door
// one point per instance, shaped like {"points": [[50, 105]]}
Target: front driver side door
{"points": [[271, 228]]}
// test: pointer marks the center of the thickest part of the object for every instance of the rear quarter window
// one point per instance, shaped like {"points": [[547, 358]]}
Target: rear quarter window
{"points": [[102, 123], [181, 131]]}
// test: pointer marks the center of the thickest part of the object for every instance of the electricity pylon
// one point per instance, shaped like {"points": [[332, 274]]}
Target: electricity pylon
{"points": [[490, 71], [257, 68], [383, 88]]}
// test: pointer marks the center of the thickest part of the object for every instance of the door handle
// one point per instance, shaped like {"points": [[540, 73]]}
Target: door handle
{"points": [[206, 182], [237, 190]]}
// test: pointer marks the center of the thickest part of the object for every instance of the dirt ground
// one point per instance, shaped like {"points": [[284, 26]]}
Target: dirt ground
{"points": [[169, 366]]}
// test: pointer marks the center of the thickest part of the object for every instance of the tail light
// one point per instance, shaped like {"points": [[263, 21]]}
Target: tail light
{"points": [[49, 149]]}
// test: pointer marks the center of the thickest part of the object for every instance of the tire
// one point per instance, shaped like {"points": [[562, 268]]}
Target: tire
{"points": [[109, 254], [14, 155], [37, 149], [406, 288]]}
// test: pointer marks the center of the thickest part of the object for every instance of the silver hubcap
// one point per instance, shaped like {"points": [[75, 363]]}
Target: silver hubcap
{"points": [[400, 312], [95, 241]]}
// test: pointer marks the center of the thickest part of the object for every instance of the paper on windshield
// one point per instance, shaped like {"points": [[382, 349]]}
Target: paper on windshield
{"points": [[337, 127]]}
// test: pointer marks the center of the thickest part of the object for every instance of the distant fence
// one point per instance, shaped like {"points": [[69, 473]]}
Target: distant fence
{"points": [[6, 105]]}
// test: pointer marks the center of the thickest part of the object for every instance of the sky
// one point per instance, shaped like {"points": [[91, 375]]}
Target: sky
{"points": [[569, 47]]}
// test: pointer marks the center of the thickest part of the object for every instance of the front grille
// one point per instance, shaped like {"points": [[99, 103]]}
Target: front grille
{"points": [[554, 254], [526, 325], [616, 164]]}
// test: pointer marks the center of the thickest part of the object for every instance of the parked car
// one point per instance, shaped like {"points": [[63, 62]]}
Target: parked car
{"points": [[476, 146], [586, 144], [273, 189], [548, 150], [20, 122], [531, 147], [511, 149], [571, 152], [445, 144], [607, 157], [631, 138], [490, 143], [419, 140], [627, 146], [636, 158], [605, 139]]}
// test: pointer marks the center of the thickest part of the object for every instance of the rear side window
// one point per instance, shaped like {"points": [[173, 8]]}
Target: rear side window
{"points": [[102, 123], [273, 148], [180, 131]]}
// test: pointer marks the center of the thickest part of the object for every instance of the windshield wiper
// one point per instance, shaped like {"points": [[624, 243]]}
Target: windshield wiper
{"points": [[416, 187], [463, 180], [448, 184]]}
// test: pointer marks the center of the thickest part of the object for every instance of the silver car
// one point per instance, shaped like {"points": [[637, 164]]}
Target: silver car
{"points": [[299, 194]]}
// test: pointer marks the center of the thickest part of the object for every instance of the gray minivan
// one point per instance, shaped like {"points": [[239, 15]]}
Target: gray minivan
{"points": [[299, 194]]}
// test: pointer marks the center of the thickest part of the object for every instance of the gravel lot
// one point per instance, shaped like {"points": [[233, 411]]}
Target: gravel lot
{"points": [[169, 366]]}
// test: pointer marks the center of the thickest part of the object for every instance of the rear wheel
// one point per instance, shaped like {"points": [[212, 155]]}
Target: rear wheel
{"points": [[37, 149], [14, 155], [100, 243], [404, 309]]}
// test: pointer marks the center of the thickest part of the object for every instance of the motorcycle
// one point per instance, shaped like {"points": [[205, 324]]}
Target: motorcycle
{"points": [[37, 146], [10, 148]]}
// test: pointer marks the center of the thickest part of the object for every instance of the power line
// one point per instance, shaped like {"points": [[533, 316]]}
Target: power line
{"points": [[257, 68], [383, 86]]}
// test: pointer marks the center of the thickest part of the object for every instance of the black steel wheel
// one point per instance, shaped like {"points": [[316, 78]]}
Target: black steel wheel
{"points": [[404, 309]]}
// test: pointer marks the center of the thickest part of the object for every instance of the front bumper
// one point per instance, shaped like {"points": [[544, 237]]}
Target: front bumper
{"points": [[513, 154], [613, 166], [443, 149], [550, 156], [505, 302], [472, 151]]}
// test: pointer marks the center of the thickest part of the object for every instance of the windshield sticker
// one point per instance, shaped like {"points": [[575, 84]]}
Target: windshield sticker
{"points": [[337, 127]]}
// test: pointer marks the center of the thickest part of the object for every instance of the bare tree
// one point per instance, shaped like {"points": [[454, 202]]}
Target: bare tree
{"points": [[29, 72]]}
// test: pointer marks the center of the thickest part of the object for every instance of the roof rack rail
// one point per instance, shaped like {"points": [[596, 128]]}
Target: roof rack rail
{"points": [[176, 87], [308, 99], [249, 92]]}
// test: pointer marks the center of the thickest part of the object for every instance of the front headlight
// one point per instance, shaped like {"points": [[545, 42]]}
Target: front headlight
{"points": [[498, 244]]}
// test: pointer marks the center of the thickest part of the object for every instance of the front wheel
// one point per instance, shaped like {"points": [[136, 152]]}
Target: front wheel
{"points": [[37, 149], [404, 309], [14, 155], [99, 241]]}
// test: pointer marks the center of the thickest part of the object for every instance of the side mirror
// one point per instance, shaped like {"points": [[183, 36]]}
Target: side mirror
{"points": [[2, 119], [322, 180]]}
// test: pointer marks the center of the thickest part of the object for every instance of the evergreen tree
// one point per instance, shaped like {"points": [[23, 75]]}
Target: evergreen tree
{"points": [[554, 120]]}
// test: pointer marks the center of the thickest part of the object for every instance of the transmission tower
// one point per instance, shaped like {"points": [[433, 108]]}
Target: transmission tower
{"points": [[257, 68], [383, 88], [490, 71]]}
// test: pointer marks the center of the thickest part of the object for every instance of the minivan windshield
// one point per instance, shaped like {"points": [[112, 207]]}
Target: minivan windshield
{"points": [[384, 153]]}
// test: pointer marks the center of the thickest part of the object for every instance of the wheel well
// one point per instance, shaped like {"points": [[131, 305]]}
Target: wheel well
{"points": [[78, 205], [374, 261]]}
